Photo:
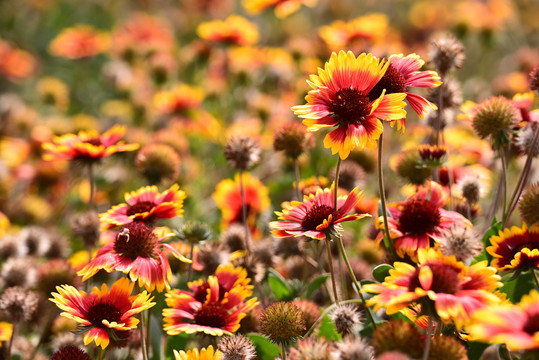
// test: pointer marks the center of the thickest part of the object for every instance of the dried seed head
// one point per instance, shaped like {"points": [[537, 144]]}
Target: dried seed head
{"points": [[351, 175], [529, 203], [67, 338], [446, 53], [242, 152], [311, 349], [451, 95], [447, 348], [393, 355], [346, 319], [18, 303], [495, 117], [293, 138], [18, 272], [282, 322], [410, 167], [237, 347], [255, 267], [534, 78], [59, 247], [70, 353], [461, 242], [194, 232], [400, 336], [525, 140], [234, 237], [288, 246], [9, 247], [86, 226], [34, 240], [56, 273], [471, 188], [211, 255], [353, 347], [158, 163], [309, 309]]}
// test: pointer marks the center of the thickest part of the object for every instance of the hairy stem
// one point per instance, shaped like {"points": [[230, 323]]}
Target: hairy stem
{"points": [[283, 351], [336, 183], [244, 214], [388, 243], [330, 261], [426, 350]]}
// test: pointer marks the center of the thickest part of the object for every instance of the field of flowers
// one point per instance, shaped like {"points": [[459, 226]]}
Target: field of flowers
{"points": [[269, 179]]}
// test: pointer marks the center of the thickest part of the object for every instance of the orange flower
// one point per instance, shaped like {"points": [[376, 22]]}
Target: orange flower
{"points": [[283, 8], [178, 100], [234, 30], [371, 28], [78, 42], [15, 64]]}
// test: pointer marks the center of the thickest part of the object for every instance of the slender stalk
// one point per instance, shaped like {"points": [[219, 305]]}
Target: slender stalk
{"points": [[333, 282], [261, 293], [503, 155], [148, 331], [535, 278], [356, 283], [244, 214], [101, 353], [283, 351], [336, 183], [521, 183], [426, 350], [91, 201], [50, 317], [142, 335], [10, 344], [439, 113], [316, 249], [190, 266], [296, 174], [388, 243]]}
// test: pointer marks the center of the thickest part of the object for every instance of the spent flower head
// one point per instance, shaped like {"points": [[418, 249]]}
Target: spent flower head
{"points": [[237, 347], [242, 152], [282, 322], [446, 53], [529, 203]]}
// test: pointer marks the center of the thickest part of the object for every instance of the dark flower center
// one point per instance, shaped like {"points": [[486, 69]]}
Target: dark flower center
{"points": [[202, 292], [419, 217], [445, 279], [93, 141], [392, 81], [350, 106], [213, 315], [70, 352], [140, 207], [317, 215], [531, 326], [103, 311], [134, 240]]}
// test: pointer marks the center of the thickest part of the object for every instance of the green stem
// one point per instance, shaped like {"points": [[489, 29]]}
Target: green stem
{"points": [[439, 113], [336, 183], [190, 266], [101, 353], [283, 351], [91, 201], [356, 283], [388, 243], [244, 214], [535, 278], [142, 337], [333, 282], [426, 350], [296, 174], [10, 344], [503, 155]]}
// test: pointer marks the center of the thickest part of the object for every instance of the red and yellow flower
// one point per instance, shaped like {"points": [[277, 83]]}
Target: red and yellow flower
{"points": [[204, 354], [87, 145], [81, 41], [316, 216], [137, 250], [103, 314], [441, 283], [340, 98], [283, 8], [515, 248], [146, 204], [6, 330], [178, 100], [418, 220], [371, 29], [227, 196], [402, 73], [235, 30], [517, 326], [214, 307]]}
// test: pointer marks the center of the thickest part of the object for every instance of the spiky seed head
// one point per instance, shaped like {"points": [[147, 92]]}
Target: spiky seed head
{"points": [[55, 273], [310, 311], [461, 242], [534, 78], [282, 322], [451, 95], [346, 318], [393, 355], [398, 335], [410, 167], [86, 226], [293, 139], [311, 349], [525, 140], [529, 203], [495, 117], [352, 347], [234, 237], [242, 152], [237, 347], [471, 188], [447, 348], [446, 53], [351, 175], [70, 352], [19, 272], [18, 303], [158, 163], [194, 232]]}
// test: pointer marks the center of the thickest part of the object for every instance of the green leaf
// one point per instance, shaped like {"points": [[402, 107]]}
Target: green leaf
{"points": [[175, 342], [315, 284], [279, 286], [495, 227], [515, 289], [475, 350], [381, 271], [155, 340], [265, 349], [327, 330]]}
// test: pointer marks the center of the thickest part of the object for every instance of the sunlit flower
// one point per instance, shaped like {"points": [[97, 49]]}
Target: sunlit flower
{"points": [[78, 42], [53, 91], [414, 222], [227, 196], [6, 330], [178, 100], [370, 28], [235, 30], [316, 216], [87, 145], [204, 354], [517, 326], [146, 204], [214, 307], [15, 63], [103, 313], [137, 250], [340, 98], [403, 72], [441, 283], [515, 248], [283, 8]]}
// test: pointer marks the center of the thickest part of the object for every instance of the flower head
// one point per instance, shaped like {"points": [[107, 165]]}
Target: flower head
{"points": [[237, 347], [529, 203], [146, 204], [293, 139], [447, 53], [103, 313], [517, 326], [158, 163], [177, 101], [204, 354], [137, 250], [414, 222], [534, 78], [340, 98], [88, 146], [515, 248], [462, 243], [18, 304], [282, 8], [235, 30], [78, 42], [398, 335], [316, 216], [346, 318], [495, 117], [353, 347], [242, 152], [440, 283], [282, 322], [71, 353]]}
